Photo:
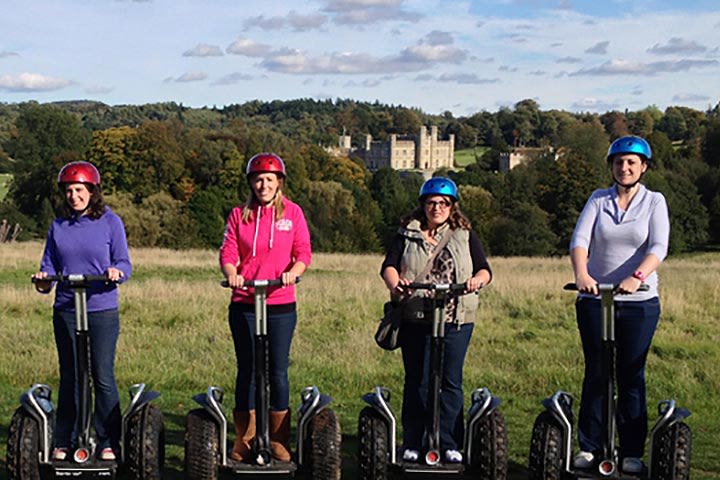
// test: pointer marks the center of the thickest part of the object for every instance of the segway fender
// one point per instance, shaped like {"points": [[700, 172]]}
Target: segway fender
{"points": [[483, 403], [668, 415], [37, 402], [138, 398], [379, 399], [560, 406]]}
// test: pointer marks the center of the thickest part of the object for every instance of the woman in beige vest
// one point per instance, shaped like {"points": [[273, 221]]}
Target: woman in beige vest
{"points": [[462, 259]]}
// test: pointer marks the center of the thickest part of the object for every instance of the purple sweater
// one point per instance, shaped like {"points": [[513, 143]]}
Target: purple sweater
{"points": [[85, 246]]}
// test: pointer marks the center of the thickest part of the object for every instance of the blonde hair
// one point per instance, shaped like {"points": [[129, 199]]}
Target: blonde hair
{"points": [[252, 202]]}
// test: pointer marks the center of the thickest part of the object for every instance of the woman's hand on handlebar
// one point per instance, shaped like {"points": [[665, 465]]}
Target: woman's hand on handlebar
{"points": [[235, 280], [400, 287], [587, 284], [114, 275], [629, 285], [473, 284], [42, 286], [288, 278]]}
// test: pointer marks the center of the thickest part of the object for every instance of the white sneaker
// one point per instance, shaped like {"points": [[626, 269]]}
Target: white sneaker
{"points": [[60, 454], [453, 456], [410, 455], [632, 465], [583, 460], [107, 454]]}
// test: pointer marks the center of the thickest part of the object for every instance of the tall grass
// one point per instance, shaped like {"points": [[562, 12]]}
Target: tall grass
{"points": [[525, 345], [4, 184]]}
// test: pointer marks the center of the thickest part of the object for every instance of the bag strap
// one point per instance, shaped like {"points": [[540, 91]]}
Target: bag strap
{"points": [[438, 248]]}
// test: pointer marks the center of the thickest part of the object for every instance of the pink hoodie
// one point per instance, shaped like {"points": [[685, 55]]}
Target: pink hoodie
{"points": [[264, 248]]}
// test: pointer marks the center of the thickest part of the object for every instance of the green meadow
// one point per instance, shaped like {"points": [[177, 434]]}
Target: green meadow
{"points": [[525, 345], [4, 184]]}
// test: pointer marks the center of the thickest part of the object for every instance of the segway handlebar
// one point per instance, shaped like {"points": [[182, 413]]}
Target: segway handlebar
{"points": [[452, 287], [259, 283], [73, 278], [644, 287]]}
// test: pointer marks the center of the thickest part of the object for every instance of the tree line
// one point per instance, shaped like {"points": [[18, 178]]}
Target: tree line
{"points": [[173, 172]]}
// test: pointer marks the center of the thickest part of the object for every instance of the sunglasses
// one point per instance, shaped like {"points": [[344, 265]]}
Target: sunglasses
{"points": [[443, 204]]}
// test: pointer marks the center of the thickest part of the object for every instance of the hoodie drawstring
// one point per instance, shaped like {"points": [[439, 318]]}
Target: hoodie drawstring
{"points": [[257, 228]]}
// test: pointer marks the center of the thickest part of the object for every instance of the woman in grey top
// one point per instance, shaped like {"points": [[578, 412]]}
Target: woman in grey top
{"points": [[620, 238]]}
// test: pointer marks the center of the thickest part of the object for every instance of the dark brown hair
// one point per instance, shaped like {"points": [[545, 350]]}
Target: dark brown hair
{"points": [[456, 220]]}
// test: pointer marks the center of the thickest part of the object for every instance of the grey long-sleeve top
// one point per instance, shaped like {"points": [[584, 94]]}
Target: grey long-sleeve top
{"points": [[618, 240]]}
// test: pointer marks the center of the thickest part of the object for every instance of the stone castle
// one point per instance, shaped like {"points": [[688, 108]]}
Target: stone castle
{"points": [[404, 152]]}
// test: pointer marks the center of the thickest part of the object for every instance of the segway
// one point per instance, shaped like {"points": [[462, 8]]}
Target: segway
{"points": [[485, 442], [30, 439], [551, 452], [317, 454]]}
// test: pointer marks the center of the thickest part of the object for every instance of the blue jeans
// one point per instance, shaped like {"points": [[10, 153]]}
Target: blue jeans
{"points": [[103, 335], [635, 324], [415, 345], [280, 328]]}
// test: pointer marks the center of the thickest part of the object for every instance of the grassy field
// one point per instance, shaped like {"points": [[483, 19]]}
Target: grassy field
{"points": [[466, 157], [4, 184], [525, 346]]}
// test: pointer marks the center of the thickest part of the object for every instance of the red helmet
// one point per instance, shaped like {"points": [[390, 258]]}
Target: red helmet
{"points": [[79, 172], [266, 163]]}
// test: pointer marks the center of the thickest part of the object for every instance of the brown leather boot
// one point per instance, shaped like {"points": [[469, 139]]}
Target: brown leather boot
{"points": [[244, 434], [280, 435]]}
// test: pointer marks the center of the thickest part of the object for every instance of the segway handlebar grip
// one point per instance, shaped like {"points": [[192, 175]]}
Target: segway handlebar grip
{"points": [[644, 287], [259, 283]]}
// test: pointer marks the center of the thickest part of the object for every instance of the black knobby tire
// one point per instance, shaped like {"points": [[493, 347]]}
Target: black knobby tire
{"points": [[23, 447], [546, 449], [671, 453], [321, 447], [373, 445], [145, 443], [202, 449], [490, 447]]}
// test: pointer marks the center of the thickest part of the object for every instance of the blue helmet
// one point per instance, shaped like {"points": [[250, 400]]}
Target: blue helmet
{"points": [[630, 144], [439, 186]]}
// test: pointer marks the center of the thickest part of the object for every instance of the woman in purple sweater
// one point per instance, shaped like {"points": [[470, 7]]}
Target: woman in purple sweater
{"points": [[88, 239], [620, 238]]}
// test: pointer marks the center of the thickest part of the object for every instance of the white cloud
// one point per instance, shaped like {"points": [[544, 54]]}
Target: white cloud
{"points": [[232, 79], [32, 82], [626, 67], [690, 97], [459, 78], [203, 50], [364, 12], [6, 54], [302, 23], [594, 104], [191, 77], [599, 48], [677, 45], [248, 48], [568, 60]]}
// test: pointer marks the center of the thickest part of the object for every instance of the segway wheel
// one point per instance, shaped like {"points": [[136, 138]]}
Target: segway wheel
{"points": [[490, 447], [145, 443], [373, 449], [546, 447], [671, 453], [202, 446], [23, 447], [322, 454]]}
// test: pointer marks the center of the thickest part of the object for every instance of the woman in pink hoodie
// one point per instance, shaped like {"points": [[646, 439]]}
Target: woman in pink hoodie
{"points": [[265, 238]]}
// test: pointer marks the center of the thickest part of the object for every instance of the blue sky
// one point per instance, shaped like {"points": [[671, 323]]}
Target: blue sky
{"points": [[461, 56]]}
